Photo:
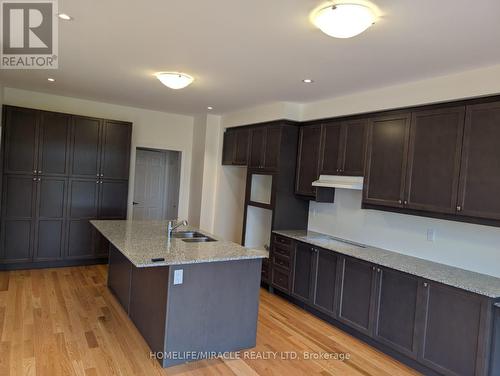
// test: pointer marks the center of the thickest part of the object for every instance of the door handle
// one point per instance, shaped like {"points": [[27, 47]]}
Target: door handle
{"points": [[135, 203]]}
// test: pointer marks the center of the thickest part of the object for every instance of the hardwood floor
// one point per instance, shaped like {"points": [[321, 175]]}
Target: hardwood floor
{"points": [[66, 322]]}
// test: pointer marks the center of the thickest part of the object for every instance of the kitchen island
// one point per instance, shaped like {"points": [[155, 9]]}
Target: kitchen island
{"points": [[188, 298]]}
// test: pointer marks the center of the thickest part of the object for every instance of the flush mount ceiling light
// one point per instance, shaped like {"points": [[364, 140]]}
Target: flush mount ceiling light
{"points": [[51, 79], [174, 80], [307, 81], [343, 20], [65, 17], [210, 108]]}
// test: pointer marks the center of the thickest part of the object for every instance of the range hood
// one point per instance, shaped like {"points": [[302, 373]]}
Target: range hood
{"points": [[337, 181]]}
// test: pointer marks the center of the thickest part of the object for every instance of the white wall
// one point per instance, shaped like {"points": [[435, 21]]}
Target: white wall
{"points": [[464, 245], [198, 160], [468, 246], [151, 129]]}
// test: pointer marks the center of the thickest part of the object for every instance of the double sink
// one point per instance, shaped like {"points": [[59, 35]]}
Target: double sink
{"points": [[192, 237]]}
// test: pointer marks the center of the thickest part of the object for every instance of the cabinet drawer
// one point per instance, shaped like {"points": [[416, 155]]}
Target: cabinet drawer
{"points": [[286, 242], [282, 262], [280, 250], [281, 279]]}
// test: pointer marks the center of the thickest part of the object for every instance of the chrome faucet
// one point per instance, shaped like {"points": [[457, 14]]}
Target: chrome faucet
{"points": [[171, 227]]}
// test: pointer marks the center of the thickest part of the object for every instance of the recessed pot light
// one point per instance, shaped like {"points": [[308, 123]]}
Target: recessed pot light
{"points": [[210, 108], [65, 17], [174, 80], [343, 20], [51, 79], [307, 81]]}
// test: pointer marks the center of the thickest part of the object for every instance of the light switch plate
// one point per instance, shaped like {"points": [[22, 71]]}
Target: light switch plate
{"points": [[178, 276]]}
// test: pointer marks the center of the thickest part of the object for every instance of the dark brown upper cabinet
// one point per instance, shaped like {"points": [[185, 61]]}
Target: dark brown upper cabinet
{"points": [[241, 150], [434, 160], [235, 147], [85, 138], [343, 148], [480, 177], [265, 146], [21, 140], [228, 147], [308, 160], [387, 157], [53, 147], [115, 152], [257, 147], [330, 158]]}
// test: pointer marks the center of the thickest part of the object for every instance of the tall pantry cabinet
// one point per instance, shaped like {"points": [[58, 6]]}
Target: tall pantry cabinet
{"points": [[59, 172]]}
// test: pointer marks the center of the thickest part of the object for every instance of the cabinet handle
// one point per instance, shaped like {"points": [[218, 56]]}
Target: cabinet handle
{"points": [[34, 171], [102, 175], [373, 268], [405, 202], [459, 208], [378, 270], [34, 179], [39, 171], [97, 181], [400, 202], [426, 284]]}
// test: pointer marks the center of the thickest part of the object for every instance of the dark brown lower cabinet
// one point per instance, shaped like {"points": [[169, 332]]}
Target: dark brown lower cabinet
{"points": [[442, 329], [456, 331], [357, 288], [325, 281], [303, 271], [396, 315]]}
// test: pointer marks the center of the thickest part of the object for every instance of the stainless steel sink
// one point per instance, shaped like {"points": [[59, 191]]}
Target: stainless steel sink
{"points": [[187, 234], [198, 240]]}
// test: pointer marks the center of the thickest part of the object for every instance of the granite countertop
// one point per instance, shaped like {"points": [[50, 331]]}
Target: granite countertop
{"points": [[467, 280], [140, 241]]}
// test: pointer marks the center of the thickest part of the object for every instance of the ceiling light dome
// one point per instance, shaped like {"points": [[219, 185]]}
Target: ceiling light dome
{"points": [[343, 20], [174, 80]]}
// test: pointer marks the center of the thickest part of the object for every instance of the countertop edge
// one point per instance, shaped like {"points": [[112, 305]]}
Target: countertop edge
{"points": [[385, 253]]}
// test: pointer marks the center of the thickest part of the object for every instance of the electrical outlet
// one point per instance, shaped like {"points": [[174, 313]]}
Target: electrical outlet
{"points": [[178, 276], [431, 235]]}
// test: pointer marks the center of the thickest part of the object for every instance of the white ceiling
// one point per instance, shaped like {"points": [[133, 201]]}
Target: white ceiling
{"points": [[245, 53]]}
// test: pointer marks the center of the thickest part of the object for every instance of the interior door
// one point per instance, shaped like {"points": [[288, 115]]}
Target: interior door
{"points": [[21, 141], [115, 158], [18, 213], [434, 159], [387, 159], [149, 185], [479, 177], [53, 149], [85, 140]]}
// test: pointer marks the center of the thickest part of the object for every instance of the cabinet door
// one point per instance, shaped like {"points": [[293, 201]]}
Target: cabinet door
{"points": [[353, 147], [113, 196], [257, 147], [396, 311], [272, 150], [308, 160], [115, 160], [330, 149], [434, 159], [479, 177], [82, 202], [53, 146], [50, 221], [387, 158], [241, 152], [21, 140], [325, 281], [356, 293], [228, 147], [303, 265], [18, 213], [85, 147], [454, 331]]}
